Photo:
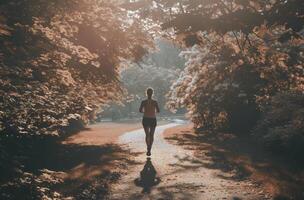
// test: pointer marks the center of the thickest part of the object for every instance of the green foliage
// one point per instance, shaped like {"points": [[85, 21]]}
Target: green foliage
{"points": [[281, 127], [59, 62], [29, 186]]}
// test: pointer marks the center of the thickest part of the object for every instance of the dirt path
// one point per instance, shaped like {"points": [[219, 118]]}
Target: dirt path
{"points": [[178, 175]]}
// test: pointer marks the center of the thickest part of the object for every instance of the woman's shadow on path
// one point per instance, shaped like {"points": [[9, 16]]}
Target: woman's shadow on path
{"points": [[148, 177]]}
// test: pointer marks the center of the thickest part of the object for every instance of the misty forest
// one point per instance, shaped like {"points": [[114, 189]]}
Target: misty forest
{"points": [[227, 77]]}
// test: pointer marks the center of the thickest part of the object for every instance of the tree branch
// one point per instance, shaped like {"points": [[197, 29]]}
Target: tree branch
{"points": [[245, 40], [181, 7], [227, 7], [237, 40], [249, 41], [212, 43]]}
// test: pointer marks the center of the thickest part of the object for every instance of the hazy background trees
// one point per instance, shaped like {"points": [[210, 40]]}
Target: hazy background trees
{"points": [[158, 70]]}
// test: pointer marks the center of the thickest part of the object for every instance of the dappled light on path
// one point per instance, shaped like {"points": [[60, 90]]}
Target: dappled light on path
{"points": [[178, 174]]}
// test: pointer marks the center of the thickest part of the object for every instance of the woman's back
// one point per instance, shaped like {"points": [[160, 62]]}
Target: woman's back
{"points": [[150, 108]]}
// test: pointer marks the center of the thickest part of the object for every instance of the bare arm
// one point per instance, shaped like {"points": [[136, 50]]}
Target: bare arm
{"points": [[156, 106], [141, 107]]}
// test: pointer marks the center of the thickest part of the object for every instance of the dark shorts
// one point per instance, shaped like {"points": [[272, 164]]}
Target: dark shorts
{"points": [[150, 122]]}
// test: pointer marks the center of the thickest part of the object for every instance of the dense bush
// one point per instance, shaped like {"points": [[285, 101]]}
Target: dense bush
{"points": [[281, 128], [31, 187]]}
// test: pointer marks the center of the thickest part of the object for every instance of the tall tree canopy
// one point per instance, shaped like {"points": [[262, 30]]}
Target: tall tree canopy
{"points": [[59, 61]]}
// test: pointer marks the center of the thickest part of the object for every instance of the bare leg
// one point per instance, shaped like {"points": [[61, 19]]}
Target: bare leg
{"points": [[147, 131], [151, 134]]}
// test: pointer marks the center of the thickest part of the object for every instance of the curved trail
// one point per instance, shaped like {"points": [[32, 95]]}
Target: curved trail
{"points": [[179, 175]]}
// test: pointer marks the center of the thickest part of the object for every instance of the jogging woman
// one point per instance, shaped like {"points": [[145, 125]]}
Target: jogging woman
{"points": [[149, 107]]}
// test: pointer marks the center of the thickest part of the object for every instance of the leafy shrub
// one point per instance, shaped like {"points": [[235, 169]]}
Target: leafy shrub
{"points": [[30, 187], [217, 93], [281, 128]]}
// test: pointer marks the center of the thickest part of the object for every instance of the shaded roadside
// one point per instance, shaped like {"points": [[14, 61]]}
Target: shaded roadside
{"points": [[281, 178], [102, 133], [82, 168]]}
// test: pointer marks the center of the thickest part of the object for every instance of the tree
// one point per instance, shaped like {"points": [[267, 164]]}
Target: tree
{"points": [[59, 64], [60, 61], [281, 127], [240, 54]]}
